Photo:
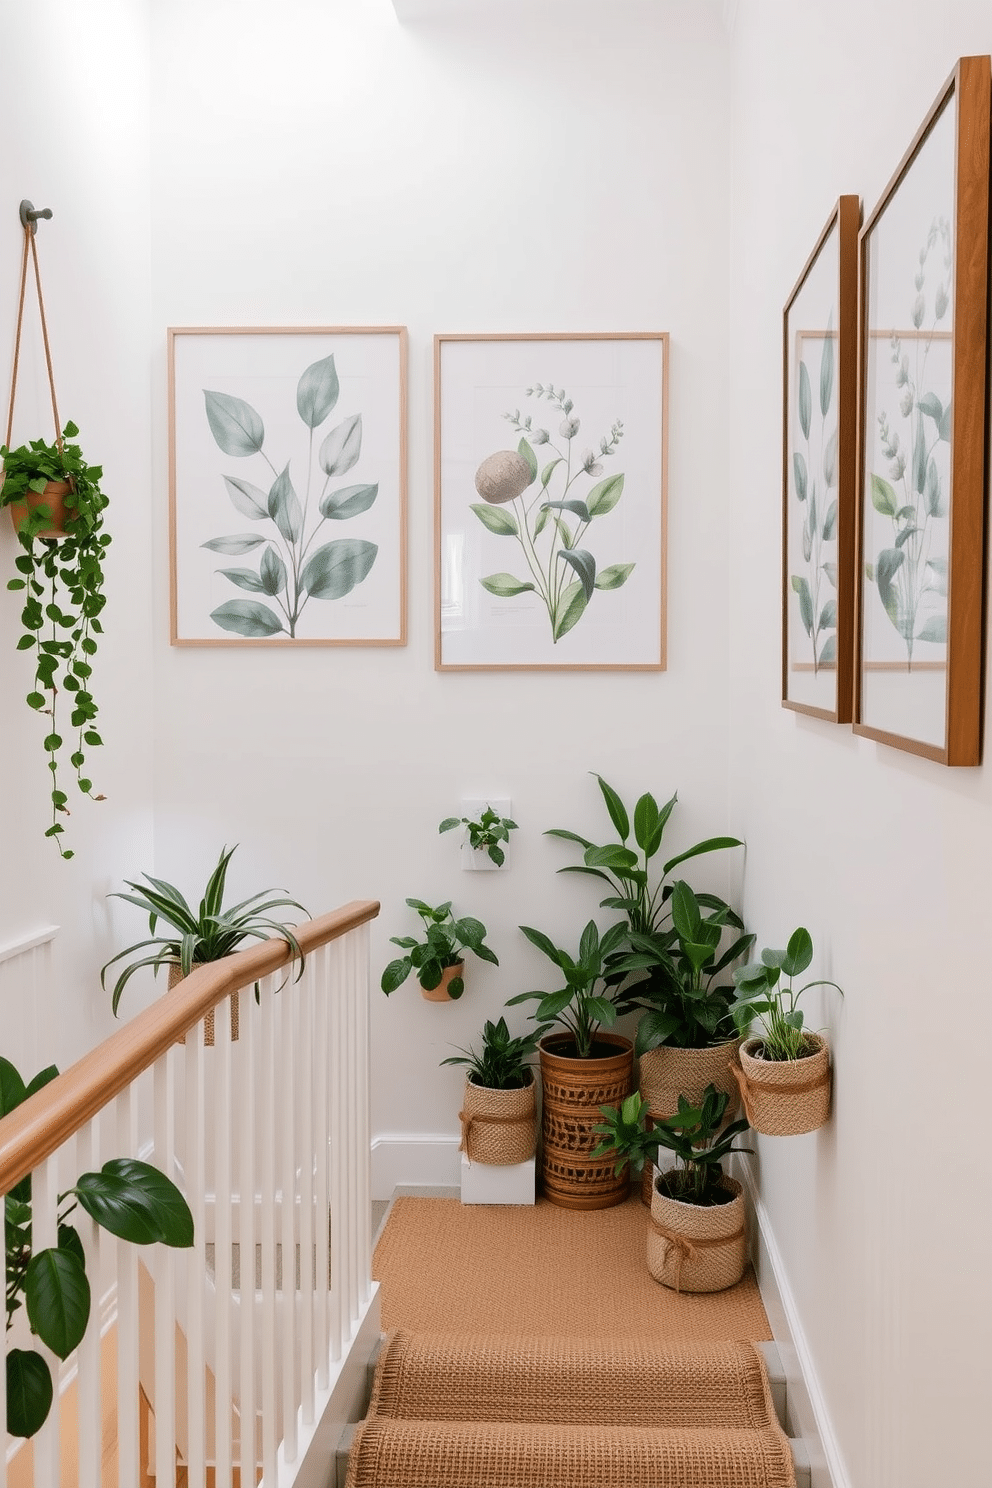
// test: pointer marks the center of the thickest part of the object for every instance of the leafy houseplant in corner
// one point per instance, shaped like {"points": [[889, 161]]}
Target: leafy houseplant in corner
{"points": [[438, 959], [131, 1199], [57, 507], [582, 1068], [206, 934], [697, 1241], [785, 1069], [498, 1114]]}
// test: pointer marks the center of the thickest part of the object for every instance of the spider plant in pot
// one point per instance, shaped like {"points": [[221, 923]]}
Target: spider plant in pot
{"points": [[697, 1241], [498, 1114], [438, 958], [581, 1065], [57, 507], [785, 1068], [200, 935]]}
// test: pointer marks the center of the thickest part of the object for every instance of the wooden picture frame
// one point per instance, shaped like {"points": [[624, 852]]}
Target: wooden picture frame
{"points": [[819, 472], [922, 461], [550, 501], [288, 445]]}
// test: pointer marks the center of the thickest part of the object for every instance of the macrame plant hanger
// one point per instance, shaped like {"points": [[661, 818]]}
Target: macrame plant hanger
{"points": [[29, 219]]}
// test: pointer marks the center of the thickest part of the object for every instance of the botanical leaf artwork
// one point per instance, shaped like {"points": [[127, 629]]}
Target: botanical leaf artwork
{"points": [[289, 515], [548, 506], [910, 571], [814, 486]]}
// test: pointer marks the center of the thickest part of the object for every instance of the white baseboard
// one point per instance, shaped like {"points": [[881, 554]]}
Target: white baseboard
{"points": [[420, 1160], [808, 1416]]}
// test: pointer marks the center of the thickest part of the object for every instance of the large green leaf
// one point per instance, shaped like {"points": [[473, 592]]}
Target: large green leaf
{"points": [[347, 502], [135, 1202], [799, 952], [505, 585], [826, 373], [883, 497], [272, 572], [58, 1299], [244, 578], [708, 845], [685, 911], [604, 496], [342, 447], [284, 507], [571, 609], [577, 508], [614, 576], [317, 392], [235, 425], [801, 587], [805, 400], [585, 566], [234, 546], [618, 816], [647, 833], [247, 617], [501, 523], [334, 570], [12, 1088], [29, 1392], [396, 974], [539, 939]]}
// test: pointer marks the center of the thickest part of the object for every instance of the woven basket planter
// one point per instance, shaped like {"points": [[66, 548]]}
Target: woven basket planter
{"points": [[667, 1072], [786, 1097], [175, 977], [692, 1248], [440, 993], [499, 1127], [53, 497], [573, 1091]]}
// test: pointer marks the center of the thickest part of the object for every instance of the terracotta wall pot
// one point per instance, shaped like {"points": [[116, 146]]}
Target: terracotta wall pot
{"points": [[440, 993], [499, 1127], [697, 1249], [786, 1097], [53, 497], [175, 977], [573, 1091], [667, 1072]]}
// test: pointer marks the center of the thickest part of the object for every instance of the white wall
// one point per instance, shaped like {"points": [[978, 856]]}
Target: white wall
{"points": [[74, 126], [882, 1219]]}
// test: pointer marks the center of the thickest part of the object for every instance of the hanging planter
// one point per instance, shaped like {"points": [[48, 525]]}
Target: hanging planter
{"points": [[786, 1097]]}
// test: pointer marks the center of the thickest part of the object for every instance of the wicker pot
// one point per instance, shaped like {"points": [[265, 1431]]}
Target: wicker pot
{"points": [[53, 497], [440, 993], [696, 1248], [175, 977], [499, 1127], [667, 1072], [786, 1097], [573, 1091]]}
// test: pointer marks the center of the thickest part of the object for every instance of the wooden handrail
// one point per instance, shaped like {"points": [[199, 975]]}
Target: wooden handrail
{"points": [[48, 1118]]}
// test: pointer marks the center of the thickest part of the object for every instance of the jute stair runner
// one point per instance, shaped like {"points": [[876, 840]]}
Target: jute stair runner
{"points": [[455, 1411]]}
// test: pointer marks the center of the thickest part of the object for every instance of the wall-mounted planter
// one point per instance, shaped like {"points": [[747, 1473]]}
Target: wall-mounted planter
{"points": [[442, 992], [786, 1097]]}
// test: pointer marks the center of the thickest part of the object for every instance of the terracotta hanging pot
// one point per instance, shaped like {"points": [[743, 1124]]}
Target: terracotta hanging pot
{"points": [[786, 1097], [440, 993], [53, 497], [695, 1247], [668, 1072], [573, 1091], [499, 1127]]}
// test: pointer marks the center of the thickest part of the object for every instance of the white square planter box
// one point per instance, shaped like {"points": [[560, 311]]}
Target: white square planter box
{"points": [[484, 1184]]}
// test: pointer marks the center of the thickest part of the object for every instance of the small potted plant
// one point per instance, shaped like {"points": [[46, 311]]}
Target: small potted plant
{"points": [[438, 959], [581, 1066], [498, 1114], [200, 935], [785, 1069], [485, 833], [697, 1241], [57, 508]]}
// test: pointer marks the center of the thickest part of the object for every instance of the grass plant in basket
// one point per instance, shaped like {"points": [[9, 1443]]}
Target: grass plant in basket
{"points": [[502, 1065]]}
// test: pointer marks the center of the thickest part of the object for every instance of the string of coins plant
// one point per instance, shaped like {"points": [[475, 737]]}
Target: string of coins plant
{"points": [[62, 579]]}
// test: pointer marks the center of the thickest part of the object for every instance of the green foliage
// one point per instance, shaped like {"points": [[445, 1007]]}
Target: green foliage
{"points": [[444, 945], [502, 1065], [62, 582], [205, 934], [777, 1007], [291, 570], [131, 1199], [693, 1134], [486, 834], [578, 1006], [814, 481]]}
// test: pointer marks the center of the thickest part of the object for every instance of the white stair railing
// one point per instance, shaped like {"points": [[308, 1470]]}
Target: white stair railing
{"points": [[246, 1355]]}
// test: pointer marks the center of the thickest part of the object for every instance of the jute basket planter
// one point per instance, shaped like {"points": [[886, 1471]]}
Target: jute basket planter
{"points": [[175, 977], [573, 1091], [786, 1097], [692, 1248], [667, 1072], [440, 993], [499, 1127]]}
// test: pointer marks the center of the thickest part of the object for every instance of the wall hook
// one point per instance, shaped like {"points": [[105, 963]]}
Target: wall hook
{"points": [[29, 214]]}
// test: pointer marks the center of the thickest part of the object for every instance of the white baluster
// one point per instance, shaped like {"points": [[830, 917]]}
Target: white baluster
{"points": [[127, 1313], [196, 1262], [44, 1232], [162, 1266], [348, 951], [363, 1196], [223, 1241], [246, 1233], [338, 1077], [325, 1075], [305, 1156], [287, 1183], [88, 1371], [267, 1165]]}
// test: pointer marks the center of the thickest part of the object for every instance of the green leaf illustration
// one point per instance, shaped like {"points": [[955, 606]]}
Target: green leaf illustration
{"points": [[830, 461], [826, 373], [234, 546], [505, 585], [932, 493], [29, 1392], [887, 565], [801, 587], [317, 392], [58, 1299], [883, 497], [799, 475], [541, 521], [828, 652], [498, 521], [342, 447], [906, 533], [571, 610], [524, 449], [235, 425], [937, 575], [272, 572], [250, 500], [931, 405], [805, 400], [548, 472], [577, 508], [585, 566], [284, 507], [247, 617], [245, 578], [347, 502], [828, 616], [934, 630], [615, 575], [944, 427], [920, 460], [335, 569], [564, 532], [604, 496]]}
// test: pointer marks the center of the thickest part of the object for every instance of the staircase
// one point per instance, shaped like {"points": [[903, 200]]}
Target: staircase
{"points": [[450, 1411]]}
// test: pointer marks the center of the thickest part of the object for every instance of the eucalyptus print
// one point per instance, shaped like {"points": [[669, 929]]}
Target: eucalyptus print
{"points": [[293, 567], [910, 573], [549, 513], [814, 483]]}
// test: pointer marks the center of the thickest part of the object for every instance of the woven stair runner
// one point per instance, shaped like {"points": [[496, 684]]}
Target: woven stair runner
{"points": [[456, 1411]]}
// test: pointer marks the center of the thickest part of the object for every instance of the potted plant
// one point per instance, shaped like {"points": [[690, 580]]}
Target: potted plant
{"points": [[498, 1114], [785, 1069], [697, 1241], [57, 507], [439, 958], [131, 1199], [200, 935], [484, 833], [581, 1068]]}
